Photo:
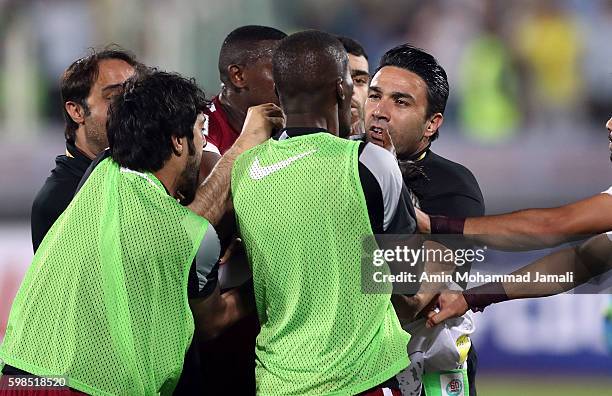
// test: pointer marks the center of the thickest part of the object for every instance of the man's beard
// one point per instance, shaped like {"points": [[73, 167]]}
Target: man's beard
{"points": [[188, 181], [95, 134]]}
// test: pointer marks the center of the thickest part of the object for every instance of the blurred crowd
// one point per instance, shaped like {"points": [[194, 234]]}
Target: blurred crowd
{"points": [[540, 64], [512, 66]]}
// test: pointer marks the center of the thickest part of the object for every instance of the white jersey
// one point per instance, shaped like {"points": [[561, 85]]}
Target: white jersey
{"points": [[443, 347]]}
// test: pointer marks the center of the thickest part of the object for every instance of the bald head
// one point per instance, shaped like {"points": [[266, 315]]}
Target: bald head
{"points": [[306, 63], [310, 72]]}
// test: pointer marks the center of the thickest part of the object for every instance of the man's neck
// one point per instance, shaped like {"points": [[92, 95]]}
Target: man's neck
{"points": [[169, 178], [312, 120], [233, 108], [88, 151], [417, 154]]}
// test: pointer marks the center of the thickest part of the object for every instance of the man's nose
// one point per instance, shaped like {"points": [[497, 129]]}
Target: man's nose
{"points": [[380, 111]]}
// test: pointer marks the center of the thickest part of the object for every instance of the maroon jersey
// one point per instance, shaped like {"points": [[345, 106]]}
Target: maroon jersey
{"points": [[221, 135]]}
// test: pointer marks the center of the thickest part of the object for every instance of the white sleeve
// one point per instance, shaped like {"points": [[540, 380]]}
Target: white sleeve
{"points": [[207, 256], [211, 148], [383, 166]]}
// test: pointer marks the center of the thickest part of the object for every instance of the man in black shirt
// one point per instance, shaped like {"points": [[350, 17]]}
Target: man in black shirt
{"points": [[406, 102], [86, 88]]}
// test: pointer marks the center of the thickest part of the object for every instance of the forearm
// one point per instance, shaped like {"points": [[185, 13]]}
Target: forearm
{"points": [[592, 258], [522, 230], [220, 311], [236, 304], [530, 228], [558, 263], [586, 261], [213, 195]]}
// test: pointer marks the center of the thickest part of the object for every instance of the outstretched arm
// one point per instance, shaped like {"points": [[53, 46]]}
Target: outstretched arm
{"points": [[530, 228], [592, 258]]}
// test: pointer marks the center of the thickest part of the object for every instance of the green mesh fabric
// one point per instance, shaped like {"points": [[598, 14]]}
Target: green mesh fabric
{"points": [[105, 299], [302, 215]]}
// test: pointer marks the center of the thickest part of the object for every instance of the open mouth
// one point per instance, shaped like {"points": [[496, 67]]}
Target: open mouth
{"points": [[376, 129]]}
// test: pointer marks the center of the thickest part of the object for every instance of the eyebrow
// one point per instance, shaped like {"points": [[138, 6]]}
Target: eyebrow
{"points": [[358, 72], [394, 95], [111, 87]]}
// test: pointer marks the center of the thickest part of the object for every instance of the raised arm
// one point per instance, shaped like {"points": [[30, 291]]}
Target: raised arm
{"points": [[212, 197]]}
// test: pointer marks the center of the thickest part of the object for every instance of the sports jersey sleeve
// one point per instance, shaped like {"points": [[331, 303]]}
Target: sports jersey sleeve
{"points": [[387, 198], [203, 275]]}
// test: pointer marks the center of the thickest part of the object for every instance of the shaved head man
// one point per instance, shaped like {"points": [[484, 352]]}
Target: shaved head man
{"points": [[303, 202], [321, 85]]}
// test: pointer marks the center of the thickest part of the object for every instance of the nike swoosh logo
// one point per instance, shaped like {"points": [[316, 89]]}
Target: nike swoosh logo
{"points": [[258, 172]]}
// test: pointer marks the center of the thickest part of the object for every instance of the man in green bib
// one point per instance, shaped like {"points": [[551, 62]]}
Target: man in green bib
{"points": [[105, 302], [304, 201]]}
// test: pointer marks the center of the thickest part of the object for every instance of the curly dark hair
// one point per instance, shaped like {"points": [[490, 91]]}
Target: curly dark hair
{"points": [[153, 107]]}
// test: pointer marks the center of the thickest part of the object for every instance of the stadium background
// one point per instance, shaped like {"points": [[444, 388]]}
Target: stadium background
{"points": [[531, 89]]}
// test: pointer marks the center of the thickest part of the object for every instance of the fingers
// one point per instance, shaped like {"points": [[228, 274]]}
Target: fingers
{"points": [[277, 122], [452, 305], [268, 109], [429, 302], [386, 138], [270, 113], [434, 318]]}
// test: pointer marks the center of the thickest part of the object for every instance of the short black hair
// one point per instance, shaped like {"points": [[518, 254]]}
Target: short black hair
{"points": [[142, 120], [352, 46], [306, 61], [243, 46], [424, 65], [81, 75]]}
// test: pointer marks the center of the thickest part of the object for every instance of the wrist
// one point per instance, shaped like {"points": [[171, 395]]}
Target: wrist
{"points": [[240, 146], [478, 298], [446, 225]]}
